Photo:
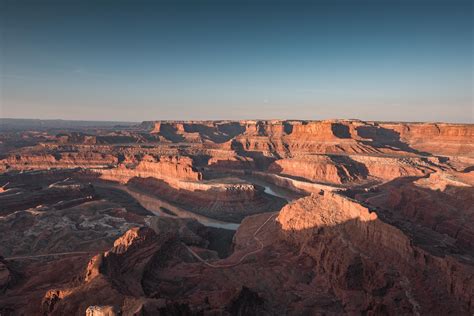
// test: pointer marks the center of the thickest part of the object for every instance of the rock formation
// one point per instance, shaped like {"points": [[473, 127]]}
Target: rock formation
{"points": [[249, 217], [161, 168], [369, 263]]}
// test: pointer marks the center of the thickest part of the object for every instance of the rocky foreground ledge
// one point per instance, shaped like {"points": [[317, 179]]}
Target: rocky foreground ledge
{"points": [[330, 252]]}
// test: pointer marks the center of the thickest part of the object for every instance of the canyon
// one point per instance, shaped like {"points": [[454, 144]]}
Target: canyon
{"points": [[254, 217]]}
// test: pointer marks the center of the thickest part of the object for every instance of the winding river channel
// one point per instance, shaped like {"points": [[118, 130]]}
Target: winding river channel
{"points": [[155, 205]]}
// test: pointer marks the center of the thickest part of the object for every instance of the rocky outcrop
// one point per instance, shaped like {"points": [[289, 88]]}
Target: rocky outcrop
{"points": [[369, 263], [389, 168], [110, 277], [56, 194], [124, 279], [447, 180], [6, 276], [290, 138], [246, 303], [326, 169], [77, 138], [325, 130], [163, 167], [86, 159], [46, 214], [102, 311], [197, 131], [448, 212], [227, 200], [437, 138], [232, 162], [138, 240]]}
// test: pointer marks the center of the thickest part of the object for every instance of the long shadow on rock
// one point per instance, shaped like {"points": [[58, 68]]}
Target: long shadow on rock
{"points": [[360, 265], [340, 130], [370, 264], [170, 132], [354, 168], [385, 138], [217, 134], [445, 212], [262, 162]]}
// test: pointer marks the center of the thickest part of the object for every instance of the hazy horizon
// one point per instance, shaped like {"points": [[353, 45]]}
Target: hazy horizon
{"points": [[128, 61], [217, 120]]}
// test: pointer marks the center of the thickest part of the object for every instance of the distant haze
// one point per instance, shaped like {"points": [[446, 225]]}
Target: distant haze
{"points": [[395, 60]]}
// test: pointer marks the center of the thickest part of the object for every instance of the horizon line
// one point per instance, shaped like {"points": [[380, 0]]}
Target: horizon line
{"points": [[232, 120]]}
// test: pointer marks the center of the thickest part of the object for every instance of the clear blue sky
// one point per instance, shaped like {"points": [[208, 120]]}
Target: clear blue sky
{"points": [[142, 60]]}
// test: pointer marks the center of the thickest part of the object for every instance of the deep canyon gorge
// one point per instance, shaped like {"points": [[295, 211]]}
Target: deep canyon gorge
{"points": [[256, 217]]}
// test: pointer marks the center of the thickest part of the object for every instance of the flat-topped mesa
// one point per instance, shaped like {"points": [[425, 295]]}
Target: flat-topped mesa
{"points": [[328, 129], [172, 131], [287, 137], [274, 128], [324, 130], [389, 168], [76, 137], [441, 131], [155, 128], [101, 138], [59, 194], [160, 126], [266, 137], [196, 131], [368, 262], [350, 169], [83, 159], [227, 159], [321, 168], [346, 137], [180, 167], [173, 168], [437, 138]]}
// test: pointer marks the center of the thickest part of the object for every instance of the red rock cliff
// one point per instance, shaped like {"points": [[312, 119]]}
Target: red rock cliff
{"points": [[370, 263]]}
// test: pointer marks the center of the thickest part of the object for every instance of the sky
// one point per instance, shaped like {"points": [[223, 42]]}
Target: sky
{"points": [[390, 60]]}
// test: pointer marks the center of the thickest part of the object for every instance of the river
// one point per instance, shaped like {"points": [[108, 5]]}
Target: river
{"points": [[155, 204]]}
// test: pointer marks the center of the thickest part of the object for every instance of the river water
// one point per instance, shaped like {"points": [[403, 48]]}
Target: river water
{"points": [[155, 205]]}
